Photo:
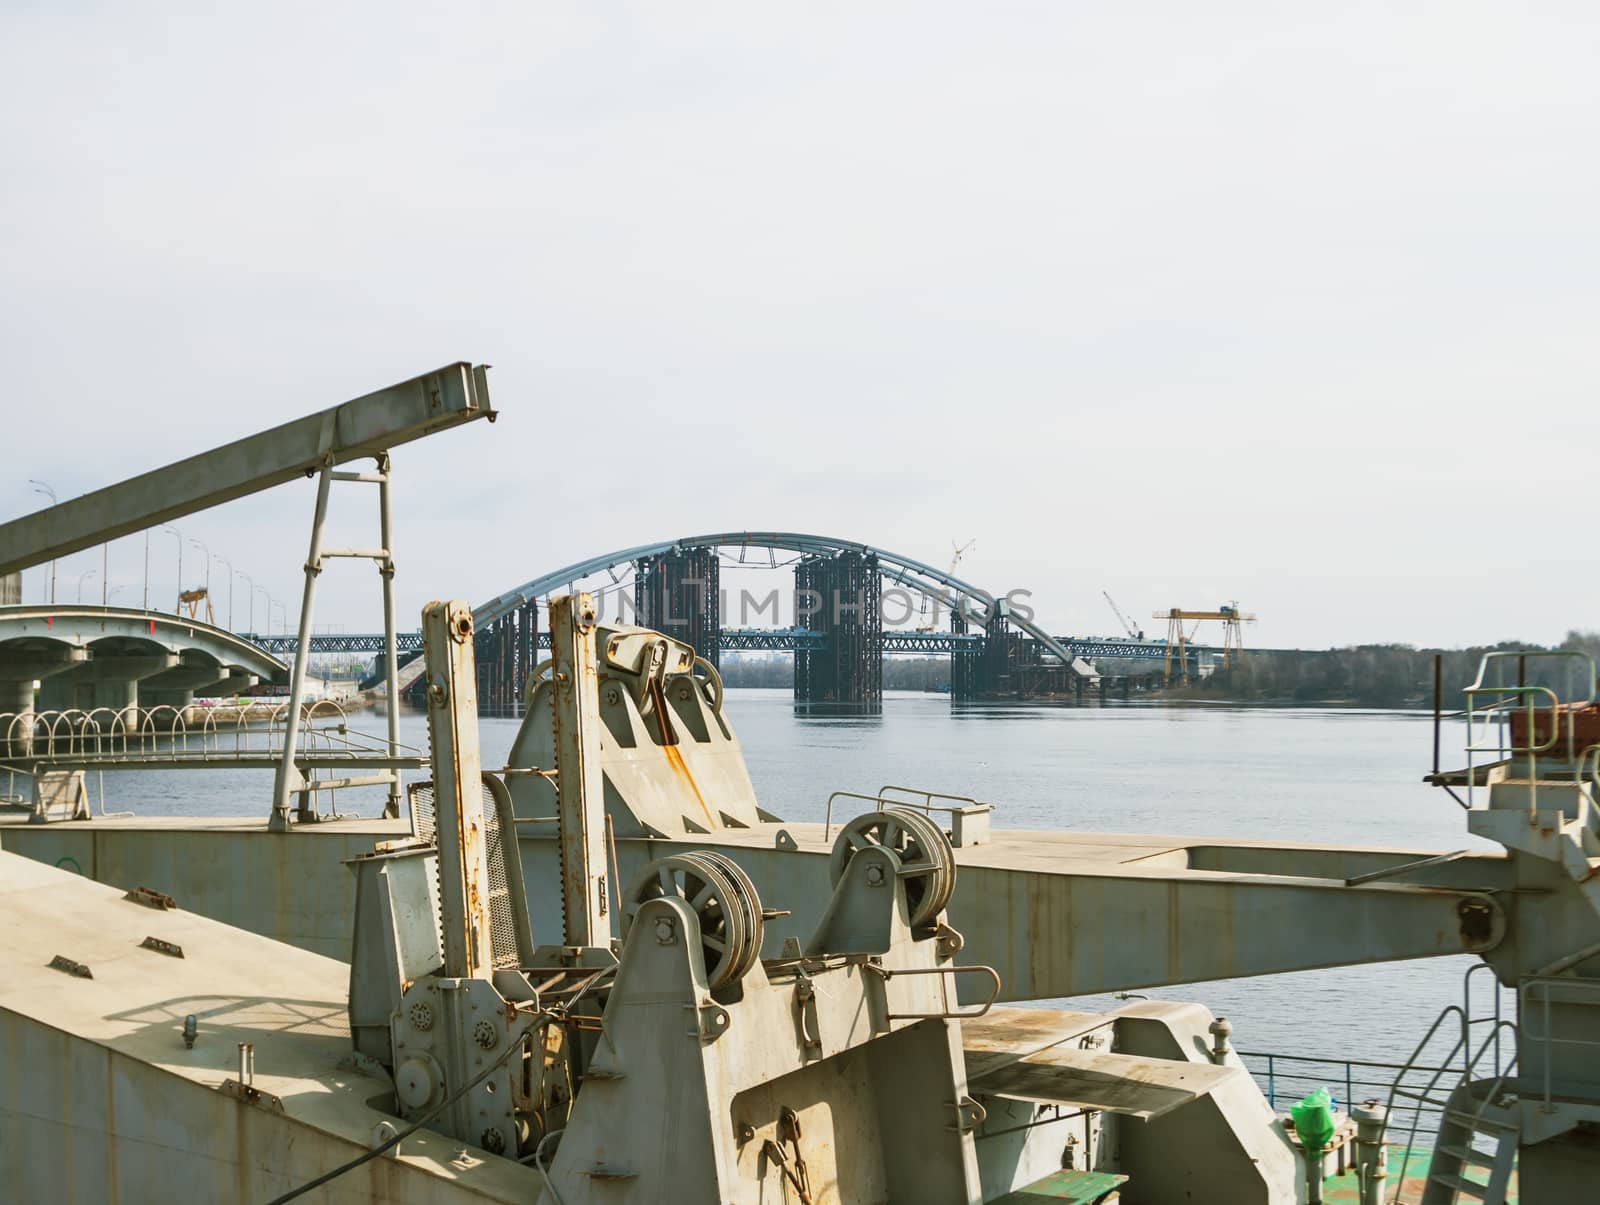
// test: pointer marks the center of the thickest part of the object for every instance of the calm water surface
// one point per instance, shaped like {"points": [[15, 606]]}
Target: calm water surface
{"points": [[1349, 777]]}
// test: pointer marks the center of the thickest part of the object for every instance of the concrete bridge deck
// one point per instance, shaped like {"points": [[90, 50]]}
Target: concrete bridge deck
{"points": [[120, 658]]}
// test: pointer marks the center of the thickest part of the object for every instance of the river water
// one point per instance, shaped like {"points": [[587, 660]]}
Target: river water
{"points": [[1271, 774]]}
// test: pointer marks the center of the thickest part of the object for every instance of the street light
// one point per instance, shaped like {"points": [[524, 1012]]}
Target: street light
{"points": [[40, 487], [179, 534], [264, 591], [83, 577], [250, 592], [229, 565], [206, 554], [112, 593], [284, 628]]}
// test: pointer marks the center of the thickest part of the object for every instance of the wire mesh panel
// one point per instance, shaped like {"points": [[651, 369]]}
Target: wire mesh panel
{"points": [[423, 823], [502, 927], [503, 900]]}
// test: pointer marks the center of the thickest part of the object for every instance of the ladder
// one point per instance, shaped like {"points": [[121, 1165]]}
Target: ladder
{"points": [[1476, 1108], [1458, 1163]]}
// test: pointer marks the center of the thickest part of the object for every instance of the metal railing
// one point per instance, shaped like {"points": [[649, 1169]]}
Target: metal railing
{"points": [[1488, 731], [231, 736], [909, 797], [1463, 1074], [1541, 986], [1285, 1078]]}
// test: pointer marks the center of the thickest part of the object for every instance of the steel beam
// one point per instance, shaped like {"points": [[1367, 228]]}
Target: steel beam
{"points": [[580, 782], [457, 789], [367, 426]]}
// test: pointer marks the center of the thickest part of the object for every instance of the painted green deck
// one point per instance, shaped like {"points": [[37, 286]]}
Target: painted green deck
{"points": [[1343, 1190], [1064, 1188]]}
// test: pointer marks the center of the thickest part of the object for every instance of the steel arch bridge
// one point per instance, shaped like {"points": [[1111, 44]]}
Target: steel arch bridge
{"points": [[897, 568]]}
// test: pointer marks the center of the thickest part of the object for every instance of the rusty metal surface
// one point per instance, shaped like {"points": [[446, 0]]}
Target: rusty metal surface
{"points": [[1089, 1079], [458, 789], [1004, 1035], [580, 783]]}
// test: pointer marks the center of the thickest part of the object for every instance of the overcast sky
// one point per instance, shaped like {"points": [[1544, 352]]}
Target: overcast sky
{"points": [[1188, 303]]}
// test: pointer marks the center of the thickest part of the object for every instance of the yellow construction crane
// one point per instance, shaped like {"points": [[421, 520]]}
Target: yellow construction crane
{"points": [[1233, 621], [192, 600]]}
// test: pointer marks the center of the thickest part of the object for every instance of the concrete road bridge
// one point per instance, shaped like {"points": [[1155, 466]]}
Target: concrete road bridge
{"points": [[122, 659]]}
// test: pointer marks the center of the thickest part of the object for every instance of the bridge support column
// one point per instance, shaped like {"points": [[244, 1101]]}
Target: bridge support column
{"points": [[840, 596], [195, 673], [16, 692], [966, 661], [505, 651], [995, 672], [109, 681], [680, 593]]}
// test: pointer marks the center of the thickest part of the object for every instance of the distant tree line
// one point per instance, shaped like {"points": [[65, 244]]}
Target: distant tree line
{"points": [[1389, 675], [1368, 675], [777, 670]]}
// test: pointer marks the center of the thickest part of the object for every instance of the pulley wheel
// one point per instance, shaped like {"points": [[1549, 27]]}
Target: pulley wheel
{"points": [[710, 682], [927, 863], [725, 937], [749, 901]]}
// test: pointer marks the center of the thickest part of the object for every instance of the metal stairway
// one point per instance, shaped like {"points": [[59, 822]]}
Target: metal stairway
{"points": [[1475, 1110]]}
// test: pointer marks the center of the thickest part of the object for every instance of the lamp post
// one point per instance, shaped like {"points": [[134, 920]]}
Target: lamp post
{"points": [[229, 565], [147, 569], [268, 595], [39, 487], [179, 534], [83, 577], [285, 620], [250, 592], [205, 556]]}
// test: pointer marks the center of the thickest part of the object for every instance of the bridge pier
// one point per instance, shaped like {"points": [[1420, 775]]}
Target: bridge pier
{"points": [[840, 597], [110, 681], [680, 593], [505, 654], [195, 673], [16, 691], [966, 661]]}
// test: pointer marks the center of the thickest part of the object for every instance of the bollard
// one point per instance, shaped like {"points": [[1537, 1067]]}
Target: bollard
{"points": [[1372, 1152]]}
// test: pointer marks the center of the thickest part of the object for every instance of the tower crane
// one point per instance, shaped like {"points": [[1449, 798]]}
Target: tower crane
{"points": [[957, 551], [1127, 624]]}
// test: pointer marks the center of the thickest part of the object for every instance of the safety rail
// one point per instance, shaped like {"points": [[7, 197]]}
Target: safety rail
{"points": [[1501, 700], [1286, 1078], [203, 734], [978, 1008], [1542, 985], [215, 737], [1462, 1045], [960, 805]]}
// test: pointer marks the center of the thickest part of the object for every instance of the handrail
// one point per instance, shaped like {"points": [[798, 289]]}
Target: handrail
{"points": [[883, 800], [1469, 1060], [1432, 1083], [1506, 698], [961, 802], [827, 823], [1543, 984]]}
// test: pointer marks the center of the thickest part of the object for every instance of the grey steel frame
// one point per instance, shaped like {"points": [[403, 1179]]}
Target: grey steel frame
{"points": [[902, 570]]}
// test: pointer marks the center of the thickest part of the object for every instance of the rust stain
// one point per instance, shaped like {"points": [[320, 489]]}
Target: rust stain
{"points": [[675, 760]]}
